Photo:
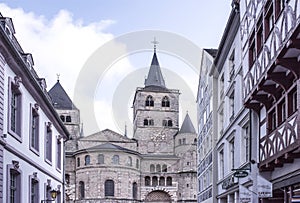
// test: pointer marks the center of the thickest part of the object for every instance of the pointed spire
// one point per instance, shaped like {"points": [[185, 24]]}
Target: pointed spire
{"points": [[187, 125], [155, 77]]}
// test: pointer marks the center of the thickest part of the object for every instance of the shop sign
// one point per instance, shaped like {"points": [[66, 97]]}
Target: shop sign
{"points": [[264, 187], [240, 174], [245, 194]]}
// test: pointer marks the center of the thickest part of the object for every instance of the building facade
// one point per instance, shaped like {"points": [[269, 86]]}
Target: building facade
{"points": [[270, 51], [207, 136], [32, 134], [158, 164]]}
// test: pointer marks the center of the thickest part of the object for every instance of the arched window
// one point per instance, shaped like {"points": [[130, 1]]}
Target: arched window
{"points": [[148, 122], [154, 181], [81, 190], [137, 165], [147, 181], [134, 190], [78, 162], [158, 169], [149, 101], [165, 102], [109, 188], [162, 181], [115, 159], [87, 160], [195, 141], [68, 119], [100, 159], [167, 122], [62, 118], [129, 161], [152, 168], [169, 181], [164, 168]]}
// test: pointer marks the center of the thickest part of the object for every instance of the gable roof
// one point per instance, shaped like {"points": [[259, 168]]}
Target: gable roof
{"points": [[187, 125], [155, 77], [111, 147], [60, 98], [107, 135]]}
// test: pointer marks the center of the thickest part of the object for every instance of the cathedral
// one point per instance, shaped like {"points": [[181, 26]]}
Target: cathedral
{"points": [[158, 164]]}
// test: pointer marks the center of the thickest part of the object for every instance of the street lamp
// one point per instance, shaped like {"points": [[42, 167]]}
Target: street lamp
{"points": [[53, 196]]}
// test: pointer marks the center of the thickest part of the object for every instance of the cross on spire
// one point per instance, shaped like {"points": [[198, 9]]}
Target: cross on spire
{"points": [[154, 42], [57, 75]]}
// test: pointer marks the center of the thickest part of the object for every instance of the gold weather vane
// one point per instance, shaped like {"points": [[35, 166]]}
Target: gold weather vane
{"points": [[155, 42]]}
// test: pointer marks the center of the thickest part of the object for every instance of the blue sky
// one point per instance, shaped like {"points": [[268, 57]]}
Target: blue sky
{"points": [[64, 35]]}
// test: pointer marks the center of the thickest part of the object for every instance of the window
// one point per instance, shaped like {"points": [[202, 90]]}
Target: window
{"points": [[222, 86], [34, 188], [62, 118], [137, 165], [14, 183], [259, 35], [154, 181], [59, 154], [252, 51], [179, 141], [231, 106], [281, 112], [269, 17], [15, 108], [68, 119], [164, 168], [231, 66], [162, 181], [34, 129], [78, 162], [279, 5], [246, 132], [134, 190], [67, 178], [87, 160], [48, 144], [272, 120], [167, 122], [81, 190], [147, 181], [165, 102], [109, 188], [115, 159], [100, 159], [183, 141], [129, 161], [292, 101], [231, 143], [169, 181], [158, 169], [148, 122], [221, 162], [149, 101], [152, 168]]}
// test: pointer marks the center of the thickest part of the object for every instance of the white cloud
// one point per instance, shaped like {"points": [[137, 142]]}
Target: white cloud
{"points": [[58, 45]]}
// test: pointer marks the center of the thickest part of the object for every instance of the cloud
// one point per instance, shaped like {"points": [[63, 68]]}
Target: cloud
{"points": [[60, 45]]}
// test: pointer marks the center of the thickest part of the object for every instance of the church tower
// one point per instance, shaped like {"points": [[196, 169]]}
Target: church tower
{"points": [[155, 113]]}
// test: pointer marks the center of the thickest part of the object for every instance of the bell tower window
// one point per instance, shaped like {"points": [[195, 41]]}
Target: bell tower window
{"points": [[165, 102], [149, 101]]}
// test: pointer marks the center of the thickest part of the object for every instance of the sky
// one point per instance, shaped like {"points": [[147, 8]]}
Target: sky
{"points": [[102, 50]]}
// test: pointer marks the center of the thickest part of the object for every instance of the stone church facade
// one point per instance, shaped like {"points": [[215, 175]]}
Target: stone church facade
{"points": [[158, 164]]}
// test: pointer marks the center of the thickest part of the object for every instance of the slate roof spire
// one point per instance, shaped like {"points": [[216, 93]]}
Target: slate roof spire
{"points": [[187, 125], [155, 77], [60, 98]]}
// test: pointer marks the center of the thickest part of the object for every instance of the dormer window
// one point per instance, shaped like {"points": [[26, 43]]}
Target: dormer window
{"points": [[149, 101], [165, 102]]}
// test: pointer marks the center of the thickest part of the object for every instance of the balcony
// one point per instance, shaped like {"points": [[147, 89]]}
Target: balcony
{"points": [[278, 60], [281, 146]]}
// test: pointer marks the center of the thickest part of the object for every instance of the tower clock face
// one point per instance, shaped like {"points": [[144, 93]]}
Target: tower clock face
{"points": [[158, 136]]}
